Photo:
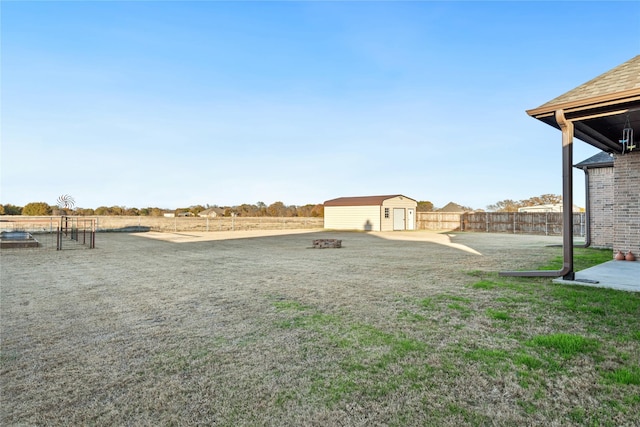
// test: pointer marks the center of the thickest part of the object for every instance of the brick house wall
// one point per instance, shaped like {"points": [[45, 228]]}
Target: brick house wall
{"points": [[626, 215], [601, 200]]}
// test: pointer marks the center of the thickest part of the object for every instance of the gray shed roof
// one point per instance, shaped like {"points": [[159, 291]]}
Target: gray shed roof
{"points": [[600, 160], [362, 201]]}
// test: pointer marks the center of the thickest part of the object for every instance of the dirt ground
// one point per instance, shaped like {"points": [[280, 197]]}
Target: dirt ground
{"points": [[178, 328]]}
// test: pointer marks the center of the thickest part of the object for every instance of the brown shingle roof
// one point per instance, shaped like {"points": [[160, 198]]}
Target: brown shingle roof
{"points": [[619, 80], [361, 201]]}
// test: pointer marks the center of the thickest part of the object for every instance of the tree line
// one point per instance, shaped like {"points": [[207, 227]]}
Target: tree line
{"points": [[276, 209], [509, 205]]}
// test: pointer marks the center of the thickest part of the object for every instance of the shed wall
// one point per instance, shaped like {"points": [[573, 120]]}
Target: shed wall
{"points": [[352, 218], [396, 202]]}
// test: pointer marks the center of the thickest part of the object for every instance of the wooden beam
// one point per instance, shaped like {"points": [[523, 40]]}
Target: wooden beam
{"points": [[595, 138]]}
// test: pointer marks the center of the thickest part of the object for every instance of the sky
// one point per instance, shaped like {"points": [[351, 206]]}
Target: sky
{"points": [[174, 104]]}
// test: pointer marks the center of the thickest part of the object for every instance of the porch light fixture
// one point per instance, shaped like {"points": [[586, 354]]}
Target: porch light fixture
{"points": [[627, 137]]}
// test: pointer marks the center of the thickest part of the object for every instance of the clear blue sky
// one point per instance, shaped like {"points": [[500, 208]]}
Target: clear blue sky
{"points": [[172, 104]]}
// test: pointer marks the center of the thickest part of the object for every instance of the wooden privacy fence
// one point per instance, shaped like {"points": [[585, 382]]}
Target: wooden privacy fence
{"points": [[546, 223]]}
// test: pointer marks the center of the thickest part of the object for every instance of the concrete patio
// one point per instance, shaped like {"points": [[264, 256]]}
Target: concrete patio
{"points": [[620, 275]]}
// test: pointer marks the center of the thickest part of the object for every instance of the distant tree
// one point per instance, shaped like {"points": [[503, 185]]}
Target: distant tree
{"points": [[545, 199], [318, 211], [102, 211], [276, 209], [10, 209], [36, 208], [1, 210], [262, 209], [117, 210], [305, 211], [425, 206], [85, 211], [247, 210], [506, 205], [291, 211], [131, 212], [195, 210]]}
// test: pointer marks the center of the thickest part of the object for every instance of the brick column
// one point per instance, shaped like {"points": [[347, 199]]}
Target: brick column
{"points": [[601, 195]]}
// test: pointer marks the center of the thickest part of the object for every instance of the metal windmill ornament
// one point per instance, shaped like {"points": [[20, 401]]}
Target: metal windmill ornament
{"points": [[627, 137], [66, 202]]}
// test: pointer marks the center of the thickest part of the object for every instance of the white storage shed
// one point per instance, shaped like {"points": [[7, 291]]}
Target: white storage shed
{"points": [[371, 213]]}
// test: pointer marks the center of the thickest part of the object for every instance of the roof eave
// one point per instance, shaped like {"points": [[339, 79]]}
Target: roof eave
{"points": [[590, 108], [583, 105]]}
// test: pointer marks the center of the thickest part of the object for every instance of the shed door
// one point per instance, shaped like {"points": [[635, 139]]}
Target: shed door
{"points": [[411, 221], [398, 218]]}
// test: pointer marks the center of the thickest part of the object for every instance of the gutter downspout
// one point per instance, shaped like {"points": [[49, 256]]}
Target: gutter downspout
{"points": [[566, 126]]}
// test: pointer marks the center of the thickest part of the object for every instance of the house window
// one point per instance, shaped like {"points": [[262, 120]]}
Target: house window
{"points": [[386, 212]]}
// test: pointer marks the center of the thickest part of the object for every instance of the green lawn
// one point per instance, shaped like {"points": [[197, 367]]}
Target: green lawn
{"points": [[564, 353]]}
